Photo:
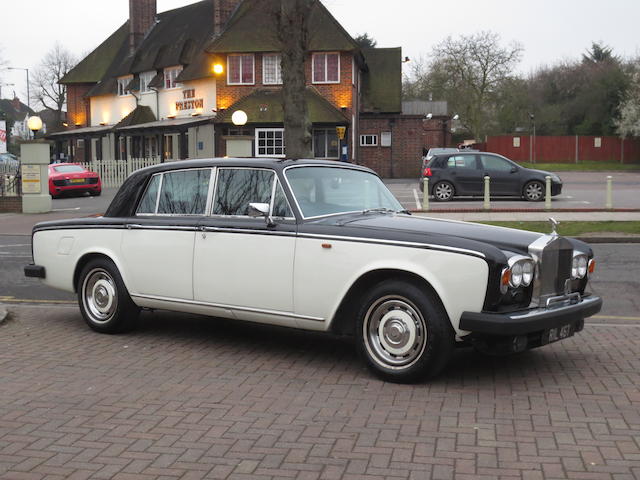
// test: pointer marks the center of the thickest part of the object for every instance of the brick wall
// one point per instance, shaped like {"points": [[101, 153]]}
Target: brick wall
{"points": [[10, 204], [404, 157], [78, 106]]}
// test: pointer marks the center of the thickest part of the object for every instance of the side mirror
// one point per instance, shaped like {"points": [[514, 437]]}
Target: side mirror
{"points": [[261, 210], [514, 169]]}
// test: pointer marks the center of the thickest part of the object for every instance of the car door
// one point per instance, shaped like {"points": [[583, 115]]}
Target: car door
{"points": [[244, 264], [464, 172], [503, 174], [157, 245]]}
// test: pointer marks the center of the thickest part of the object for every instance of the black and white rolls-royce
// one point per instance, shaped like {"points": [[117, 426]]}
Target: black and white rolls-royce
{"points": [[316, 245]]}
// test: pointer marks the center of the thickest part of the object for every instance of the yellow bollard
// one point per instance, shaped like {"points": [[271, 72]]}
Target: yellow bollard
{"points": [[425, 194], [547, 193], [487, 196], [609, 204]]}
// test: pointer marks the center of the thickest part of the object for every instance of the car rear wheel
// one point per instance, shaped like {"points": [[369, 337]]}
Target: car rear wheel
{"points": [[443, 191], [104, 301], [403, 332], [533, 191]]}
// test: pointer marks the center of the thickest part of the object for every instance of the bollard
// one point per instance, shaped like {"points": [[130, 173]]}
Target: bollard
{"points": [[487, 197], [609, 205], [547, 193], [425, 194]]}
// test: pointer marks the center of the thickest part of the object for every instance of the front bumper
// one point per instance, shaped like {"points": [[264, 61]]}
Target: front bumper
{"points": [[529, 321]]}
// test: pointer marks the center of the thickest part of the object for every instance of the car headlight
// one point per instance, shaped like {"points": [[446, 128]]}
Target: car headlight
{"points": [[579, 266], [556, 178], [519, 273]]}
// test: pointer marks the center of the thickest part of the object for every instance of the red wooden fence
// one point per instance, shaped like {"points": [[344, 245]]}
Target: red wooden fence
{"points": [[565, 149]]}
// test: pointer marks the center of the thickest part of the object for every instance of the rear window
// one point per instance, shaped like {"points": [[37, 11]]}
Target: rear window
{"points": [[69, 169]]}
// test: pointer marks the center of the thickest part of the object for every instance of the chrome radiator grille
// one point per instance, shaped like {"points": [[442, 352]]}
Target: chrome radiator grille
{"points": [[553, 256]]}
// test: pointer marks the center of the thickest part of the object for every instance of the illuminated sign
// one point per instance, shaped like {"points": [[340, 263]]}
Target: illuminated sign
{"points": [[189, 102]]}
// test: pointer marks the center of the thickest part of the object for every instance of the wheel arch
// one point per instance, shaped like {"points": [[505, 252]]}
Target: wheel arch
{"points": [[85, 258], [343, 321]]}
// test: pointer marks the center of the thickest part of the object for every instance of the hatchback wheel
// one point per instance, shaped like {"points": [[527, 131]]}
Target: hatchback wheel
{"points": [[443, 191], [533, 191]]}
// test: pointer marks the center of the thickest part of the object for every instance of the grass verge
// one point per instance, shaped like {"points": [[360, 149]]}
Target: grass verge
{"points": [[583, 166], [573, 229]]}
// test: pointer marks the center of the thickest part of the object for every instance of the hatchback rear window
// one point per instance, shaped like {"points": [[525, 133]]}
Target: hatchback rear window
{"points": [[69, 169]]}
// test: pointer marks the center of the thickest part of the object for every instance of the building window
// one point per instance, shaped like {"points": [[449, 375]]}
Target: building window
{"points": [[123, 82], [326, 68], [325, 143], [368, 140], [240, 70], [170, 75], [145, 78], [271, 69], [385, 139], [168, 147], [270, 142], [238, 132]]}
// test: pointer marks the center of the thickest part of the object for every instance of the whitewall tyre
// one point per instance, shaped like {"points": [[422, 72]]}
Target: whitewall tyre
{"points": [[104, 301], [403, 332]]}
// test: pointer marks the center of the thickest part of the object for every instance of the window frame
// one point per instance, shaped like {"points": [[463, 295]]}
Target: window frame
{"points": [[274, 186], [265, 155], [168, 70], [313, 68], [253, 70], [144, 86], [373, 136], [278, 73], [207, 207], [326, 142], [122, 85]]}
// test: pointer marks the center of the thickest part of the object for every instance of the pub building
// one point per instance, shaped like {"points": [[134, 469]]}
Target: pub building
{"points": [[166, 85]]}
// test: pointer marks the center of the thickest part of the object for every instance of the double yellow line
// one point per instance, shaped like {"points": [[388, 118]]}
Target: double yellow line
{"points": [[9, 299]]}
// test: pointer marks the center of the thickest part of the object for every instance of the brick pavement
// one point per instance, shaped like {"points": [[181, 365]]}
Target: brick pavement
{"points": [[187, 397]]}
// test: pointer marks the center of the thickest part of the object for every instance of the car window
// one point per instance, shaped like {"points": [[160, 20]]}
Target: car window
{"points": [[69, 169], [150, 198], [491, 162], [184, 192], [238, 187], [281, 206], [461, 161]]}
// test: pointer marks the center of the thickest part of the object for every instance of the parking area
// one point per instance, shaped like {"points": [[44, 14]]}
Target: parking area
{"points": [[189, 397]]}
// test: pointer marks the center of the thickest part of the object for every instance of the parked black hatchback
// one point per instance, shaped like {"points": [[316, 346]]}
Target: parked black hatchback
{"points": [[462, 174]]}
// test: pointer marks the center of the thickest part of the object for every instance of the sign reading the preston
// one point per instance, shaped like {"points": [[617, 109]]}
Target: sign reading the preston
{"points": [[189, 102], [31, 179], [3, 136]]}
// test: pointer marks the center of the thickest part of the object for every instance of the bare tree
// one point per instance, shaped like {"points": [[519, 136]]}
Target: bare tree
{"points": [[629, 122], [292, 18], [468, 71], [46, 89]]}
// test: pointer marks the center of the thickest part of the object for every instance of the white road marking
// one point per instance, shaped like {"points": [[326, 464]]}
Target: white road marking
{"points": [[415, 195], [17, 245], [65, 209]]}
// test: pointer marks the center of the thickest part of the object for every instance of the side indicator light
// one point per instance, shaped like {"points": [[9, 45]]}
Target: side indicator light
{"points": [[326, 245], [592, 265]]}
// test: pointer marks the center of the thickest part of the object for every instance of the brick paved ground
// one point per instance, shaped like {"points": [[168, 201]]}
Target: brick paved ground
{"points": [[185, 397]]}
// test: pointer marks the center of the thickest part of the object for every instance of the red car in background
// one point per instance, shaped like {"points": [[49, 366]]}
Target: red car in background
{"points": [[71, 177]]}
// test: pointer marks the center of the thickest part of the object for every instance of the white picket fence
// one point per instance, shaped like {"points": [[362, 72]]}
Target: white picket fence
{"points": [[114, 172]]}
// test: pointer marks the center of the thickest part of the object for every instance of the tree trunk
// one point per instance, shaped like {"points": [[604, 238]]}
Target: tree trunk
{"points": [[293, 34]]}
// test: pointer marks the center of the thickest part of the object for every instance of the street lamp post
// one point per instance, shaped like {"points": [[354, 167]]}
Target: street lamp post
{"points": [[532, 139], [28, 93]]}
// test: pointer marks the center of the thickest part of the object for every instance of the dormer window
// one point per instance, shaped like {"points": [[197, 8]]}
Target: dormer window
{"points": [[123, 83], [145, 79], [326, 67], [240, 69], [170, 75]]}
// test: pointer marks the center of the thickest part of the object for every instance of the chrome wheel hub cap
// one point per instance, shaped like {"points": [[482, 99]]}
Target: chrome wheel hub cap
{"points": [[443, 191], [534, 191], [394, 332], [100, 295]]}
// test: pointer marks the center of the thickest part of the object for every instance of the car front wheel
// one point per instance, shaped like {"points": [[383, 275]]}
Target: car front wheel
{"points": [[104, 301], [443, 191], [403, 332], [533, 191]]}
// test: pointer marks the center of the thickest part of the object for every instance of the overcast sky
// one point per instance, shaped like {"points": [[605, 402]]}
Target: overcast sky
{"points": [[549, 30]]}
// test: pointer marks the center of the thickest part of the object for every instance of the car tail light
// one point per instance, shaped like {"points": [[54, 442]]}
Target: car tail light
{"points": [[427, 172]]}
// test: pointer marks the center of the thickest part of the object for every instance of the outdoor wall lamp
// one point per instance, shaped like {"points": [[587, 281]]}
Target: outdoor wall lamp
{"points": [[218, 68]]}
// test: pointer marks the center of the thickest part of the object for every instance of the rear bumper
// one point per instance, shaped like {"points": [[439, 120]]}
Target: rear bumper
{"points": [[35, 271], [529, 321]]}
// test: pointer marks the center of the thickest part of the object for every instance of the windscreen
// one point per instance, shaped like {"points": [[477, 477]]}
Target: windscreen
{"points": [[330, 190]]}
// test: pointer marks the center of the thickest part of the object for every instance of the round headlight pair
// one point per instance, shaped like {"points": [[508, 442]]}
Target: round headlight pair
{"points": [[579, 266], [519, 273]]}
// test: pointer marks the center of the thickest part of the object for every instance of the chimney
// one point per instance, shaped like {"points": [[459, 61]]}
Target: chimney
{"points": [[222, 10], [142, 16]]}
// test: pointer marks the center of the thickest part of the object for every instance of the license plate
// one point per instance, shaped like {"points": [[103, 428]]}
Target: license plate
{"points": [[558, 333], [77, 180]]}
